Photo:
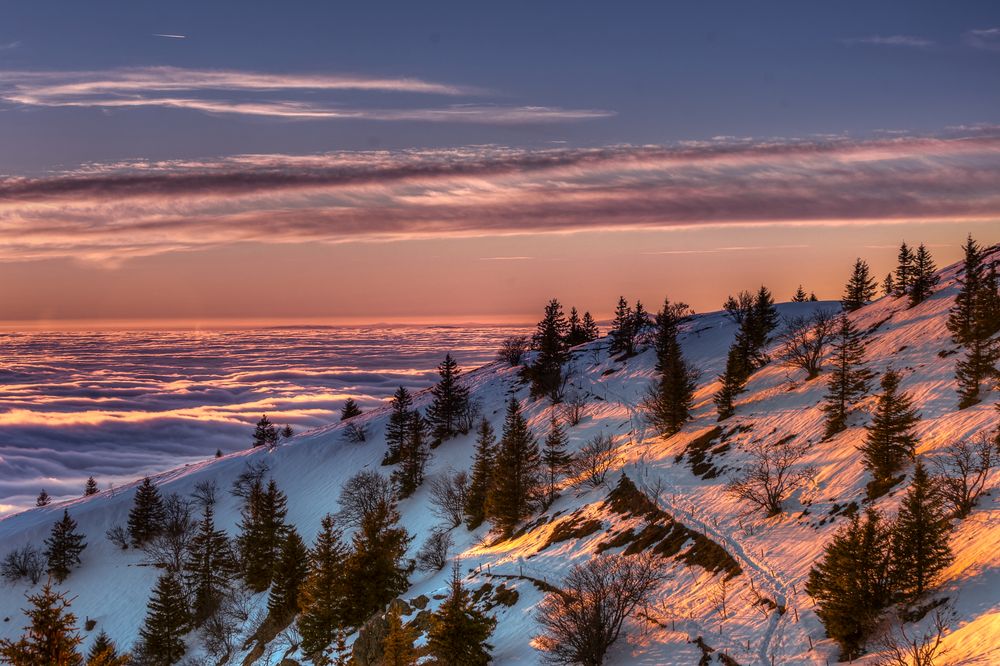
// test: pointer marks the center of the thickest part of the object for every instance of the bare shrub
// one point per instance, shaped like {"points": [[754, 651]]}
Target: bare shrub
{"points": [[595, 458], [448, 493], [220, 632], [962, 470], [805, 339], [169, 547], [24, 563], [118, 535], [251, 477], [574, 407], [512, 350], [355, 432], [205, 493], [772, 474], [583, 620], [470, 417], [363, 493], [433, 554], [738, 308], [899, 647]]}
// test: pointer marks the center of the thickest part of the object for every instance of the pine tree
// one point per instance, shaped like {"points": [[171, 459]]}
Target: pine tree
{"points": [[976, 368], [575, 334], [104, 652], [988, 303], [554, 457], [851, 583], [623, 331], [397, 648], [459, 631], [63, 548], [167, 620], [920, 536], [51, 639], [450, 405], [904, 270], [413, 455], [481, 477], [147, 515], [925, 276], [262, 530], [850, 378], [640, 324], [733, 380], [974, 319], [290, 572], [350, 410], [287, 432], [90, 488], [397, 431], [669, 402], [265, 434], [512, 495], [962, 318], [800, 295], [209, 568], [890, 439], [322, 593], [888, 285], [812, 297], [550, 342], [43, 499], [758, 326], [590, 330], [860, 289]]}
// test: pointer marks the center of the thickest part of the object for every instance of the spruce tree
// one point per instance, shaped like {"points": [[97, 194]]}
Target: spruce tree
{"points": [[50, 639], [800, 295], [290, 572], [350, 410], [669, 402], [514, 491], [481, 477], [167, 620], [963, 314], [209, 568], [851, 583], [760, 324], [575, 334], [978, 366], [450, 405], [413, 455], [550, 343], [920, 536], [860, 289], [287, 432], [989, 303], [398, 648], [640, 324], [90, 488], [63, 548], [554, 457], [104, 652], [459, 631], [322, 593], [890, 440], [262, 531], [888, 285], [623, 332], [850, 378], [590, 330], [904, 270], [974, 319], [147, 515], [733, 380], [43, 499], [397, 431], [925, 276], [265, 434]]}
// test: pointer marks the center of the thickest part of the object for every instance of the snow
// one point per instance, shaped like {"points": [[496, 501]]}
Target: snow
{"points": [[112, 586]]}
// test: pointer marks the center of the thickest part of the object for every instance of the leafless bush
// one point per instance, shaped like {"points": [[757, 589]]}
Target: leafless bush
{"points": [[737, 308], [362, 493], [24, 563], [771, 475], [594, 460], [584, 619], [574, 407], [205, 493], [433, 554], [355, 432], [470, 417], [251, 477], [899, 647], [221, 631], [448, 492], [804, 340], [118, 535], [721, 594], [962, 470], [512, 349], [170, 546]]}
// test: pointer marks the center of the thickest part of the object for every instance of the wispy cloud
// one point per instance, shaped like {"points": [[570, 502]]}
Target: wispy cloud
{"points": [[987, 39], [505, 258], [718, 250], [9, 45], [117, 211], [168, 35], [909, 41]]}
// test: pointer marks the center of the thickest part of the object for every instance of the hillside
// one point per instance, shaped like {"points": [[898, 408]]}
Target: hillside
{"points": [[761, 557]]}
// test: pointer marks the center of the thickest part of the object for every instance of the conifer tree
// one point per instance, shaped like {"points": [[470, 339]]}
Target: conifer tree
{"points": [[481, 477], [287, 432], [265, 434], [978, 366], [43, 499], [890, 438], [50, 639], [733, 380], [450, 405], [63, 548], [90, 488], [590, 330], [289, 574], [322, 593], [350, 410], [925, 276], [850, 378], [209, 567], [459, 631], [974, 319], [623, 331], [147, 515], [262, 530], [550, 343], [860, 289], [888, 285], [513, 493], [575, 334], [904, 270], [554, 457], [759, 325], [167, 620], [800, 295], [668, 404], [104, 652], [920, 536], [989, 303], [413, 455], [963, 314], [812, 297], [397, 431], [640, 324], [397, 648], [851, 583]]}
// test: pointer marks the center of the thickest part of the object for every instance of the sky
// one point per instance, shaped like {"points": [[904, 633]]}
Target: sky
{"points": [[374, 161]]}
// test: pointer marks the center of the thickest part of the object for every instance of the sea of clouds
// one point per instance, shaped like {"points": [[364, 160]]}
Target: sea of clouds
{"points": [[120, 404]]}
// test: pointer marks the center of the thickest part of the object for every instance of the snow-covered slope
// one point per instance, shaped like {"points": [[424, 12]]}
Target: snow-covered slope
{"points": [[773, 555]]}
